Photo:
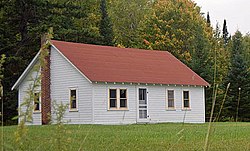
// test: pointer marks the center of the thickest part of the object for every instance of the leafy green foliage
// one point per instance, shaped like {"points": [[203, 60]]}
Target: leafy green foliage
{"points": [[173, 27], [2, 60], [26, 108], [60, 141], [128, 17]]}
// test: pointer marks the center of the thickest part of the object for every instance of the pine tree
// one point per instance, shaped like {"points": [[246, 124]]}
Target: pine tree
{"points": [[239, 77], [225, 33], [208, 19], [106, 30]]}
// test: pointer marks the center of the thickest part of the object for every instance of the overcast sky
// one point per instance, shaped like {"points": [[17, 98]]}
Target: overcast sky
{"points": [[236, 12]]}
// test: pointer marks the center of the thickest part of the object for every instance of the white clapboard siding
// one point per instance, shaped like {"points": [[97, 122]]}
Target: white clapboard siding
{"points": [[102, 115], [158, 112], [63, 77], [22, 94]]}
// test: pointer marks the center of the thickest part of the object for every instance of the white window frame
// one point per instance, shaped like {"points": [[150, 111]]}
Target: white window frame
{"points": [[189, 100], [167, 107], [73, 109], [118, 107], [34, 110]]}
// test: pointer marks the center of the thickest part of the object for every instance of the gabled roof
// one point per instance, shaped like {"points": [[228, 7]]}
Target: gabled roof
{"points": [[26, 71], [112, 64]]}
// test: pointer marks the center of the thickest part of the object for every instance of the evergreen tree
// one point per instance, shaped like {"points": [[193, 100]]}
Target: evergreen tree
{"points": [[225, 33], [20, 38], [239, 77], [22, 24], [106, 30], [208, 19]]}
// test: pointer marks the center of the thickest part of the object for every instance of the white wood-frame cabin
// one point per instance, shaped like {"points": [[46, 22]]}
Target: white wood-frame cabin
{"points": [[109, 85]]}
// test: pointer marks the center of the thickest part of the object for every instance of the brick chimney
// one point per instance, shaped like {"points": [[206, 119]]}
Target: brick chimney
{"points": [[45, 87]]}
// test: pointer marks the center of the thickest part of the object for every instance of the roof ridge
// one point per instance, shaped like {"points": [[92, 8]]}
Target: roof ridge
{"points": [[114, 47]]}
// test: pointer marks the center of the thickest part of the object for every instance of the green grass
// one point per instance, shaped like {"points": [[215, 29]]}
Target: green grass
{"points": [[225, 136]]}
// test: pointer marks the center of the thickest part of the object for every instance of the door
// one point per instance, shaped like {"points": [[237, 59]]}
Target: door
{"points": [[143, 107]]}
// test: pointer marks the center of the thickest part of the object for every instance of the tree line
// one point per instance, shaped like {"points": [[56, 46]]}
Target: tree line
{"points": [[177, 26]]}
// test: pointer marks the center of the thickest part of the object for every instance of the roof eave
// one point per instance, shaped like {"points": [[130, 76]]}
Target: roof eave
{"points": [[26, 71]]}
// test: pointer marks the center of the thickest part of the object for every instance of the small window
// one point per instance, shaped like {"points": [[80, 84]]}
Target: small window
{"points": [[186, 102], [170, 100], [123, 98], [36, 102], [73, 99], [112, 98], [117, 99]]}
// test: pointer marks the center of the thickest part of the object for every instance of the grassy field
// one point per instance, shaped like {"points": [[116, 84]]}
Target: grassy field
{"points": [[168, 136]]}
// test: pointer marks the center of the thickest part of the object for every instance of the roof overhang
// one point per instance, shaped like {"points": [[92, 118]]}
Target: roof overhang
{"points": [[26, 71]]}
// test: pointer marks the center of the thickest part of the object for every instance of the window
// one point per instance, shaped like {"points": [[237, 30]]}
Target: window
{"points": [[123, 98], [170, 99], [112, 98], [117, 98], [186, 102], [36, 101], [73, 99]]}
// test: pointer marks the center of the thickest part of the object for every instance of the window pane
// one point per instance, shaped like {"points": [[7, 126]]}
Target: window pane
{"points": [[170, 103], [186, 95], [186, 103], [73, 94], [72, 99], [123, 102], [73, 104], [141, 94], [170, 94], [112, 103], [123, 93], [112, 93], [142, 113], [36, 101]]}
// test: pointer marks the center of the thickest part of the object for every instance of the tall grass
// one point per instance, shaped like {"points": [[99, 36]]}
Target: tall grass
{"points": [[58, 138], [206, 146], [137, 137], [215, 87], [222, 104]]}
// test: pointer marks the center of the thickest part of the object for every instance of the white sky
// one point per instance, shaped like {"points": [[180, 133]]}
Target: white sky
{"points": [[236, 12]]}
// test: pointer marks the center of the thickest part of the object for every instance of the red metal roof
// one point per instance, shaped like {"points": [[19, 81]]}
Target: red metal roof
{"points": [[112, 64]]}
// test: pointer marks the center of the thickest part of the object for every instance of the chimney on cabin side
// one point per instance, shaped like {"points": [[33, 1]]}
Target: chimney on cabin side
{"points": [[45, 86]]}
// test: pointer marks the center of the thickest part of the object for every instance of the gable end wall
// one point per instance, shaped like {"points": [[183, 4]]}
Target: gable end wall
{"points": [[63, 77]]}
